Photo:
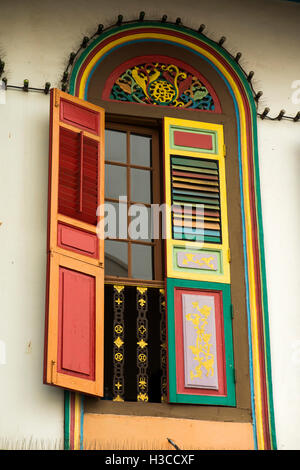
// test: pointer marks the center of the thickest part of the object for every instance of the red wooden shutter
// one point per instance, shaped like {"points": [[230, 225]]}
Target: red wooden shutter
{"points": [[75, 267]]}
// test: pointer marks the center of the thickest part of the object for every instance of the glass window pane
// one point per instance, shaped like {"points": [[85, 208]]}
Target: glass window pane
{"points": [[115, 181], [116, 258], [141, 261], [115, 220], [140, 185], [140, 150], [115, 146], [140, 223]]}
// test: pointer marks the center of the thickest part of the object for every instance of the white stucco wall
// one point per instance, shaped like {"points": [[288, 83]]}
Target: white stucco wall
{"points": [[28, 409], [35, 43]]}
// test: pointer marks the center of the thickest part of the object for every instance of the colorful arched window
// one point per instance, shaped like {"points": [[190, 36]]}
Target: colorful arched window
{"points": [[162, 116]]}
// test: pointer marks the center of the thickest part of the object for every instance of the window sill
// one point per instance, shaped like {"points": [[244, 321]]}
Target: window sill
{"points": [[168, 410], [126, 281]]}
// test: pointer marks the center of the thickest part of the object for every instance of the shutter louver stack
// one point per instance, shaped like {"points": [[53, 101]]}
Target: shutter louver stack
{"points": [[78, 180], [195, 199]]}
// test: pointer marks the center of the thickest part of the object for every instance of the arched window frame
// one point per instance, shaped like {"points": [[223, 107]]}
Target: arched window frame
{"points": [[239, 89]]}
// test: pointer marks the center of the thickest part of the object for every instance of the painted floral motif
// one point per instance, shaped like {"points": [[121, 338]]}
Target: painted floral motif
{"points": [[162, 85], [204, 261], [201, 350]]}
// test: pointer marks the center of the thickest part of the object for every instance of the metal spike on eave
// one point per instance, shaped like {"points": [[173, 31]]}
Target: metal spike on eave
{"points": [[297, 117], [85, 42], [120, 20], [2, 65], [265, 113], [100, 29], [220, 43]]}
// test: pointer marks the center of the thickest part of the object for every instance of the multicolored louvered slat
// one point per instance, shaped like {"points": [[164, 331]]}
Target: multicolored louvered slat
{"points": [[196, 211]]}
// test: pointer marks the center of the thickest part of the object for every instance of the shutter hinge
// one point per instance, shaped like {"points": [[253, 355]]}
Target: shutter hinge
{"points": [[101, 265], [229, 255], [56, 98], [231, 311], [52, 365], [224, 150], [234, 375]]}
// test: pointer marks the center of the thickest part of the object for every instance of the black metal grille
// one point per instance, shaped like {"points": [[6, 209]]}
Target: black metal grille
{"points": [[135, 344]]}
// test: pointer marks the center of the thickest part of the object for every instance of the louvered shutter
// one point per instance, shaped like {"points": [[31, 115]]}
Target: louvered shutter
{"points": [[75, 266], [200, 346]]}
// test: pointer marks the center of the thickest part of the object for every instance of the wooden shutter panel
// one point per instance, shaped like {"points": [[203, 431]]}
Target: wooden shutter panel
{"points": [[200, 346], [194, 175], [75, 266]]}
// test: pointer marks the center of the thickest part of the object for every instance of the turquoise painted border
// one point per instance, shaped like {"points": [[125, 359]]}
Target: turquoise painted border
{"points": [[67, 420], [81, 420], [230, 399], [242, 77]]}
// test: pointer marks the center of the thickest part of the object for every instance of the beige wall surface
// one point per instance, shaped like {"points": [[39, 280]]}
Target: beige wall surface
{"points": [[104, 432], [36, 39]]}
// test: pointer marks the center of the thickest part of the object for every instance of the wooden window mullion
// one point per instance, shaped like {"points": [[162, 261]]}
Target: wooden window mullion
{"points": [[138, 167], [111, 199], [156, 199]]}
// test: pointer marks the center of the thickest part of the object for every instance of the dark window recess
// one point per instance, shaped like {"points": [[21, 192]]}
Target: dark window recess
{"points": [[135, 344]]}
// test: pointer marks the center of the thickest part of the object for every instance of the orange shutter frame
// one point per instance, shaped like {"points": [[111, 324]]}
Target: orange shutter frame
{"points": [[74, 342]]}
